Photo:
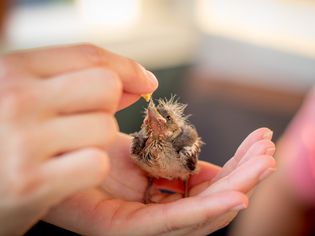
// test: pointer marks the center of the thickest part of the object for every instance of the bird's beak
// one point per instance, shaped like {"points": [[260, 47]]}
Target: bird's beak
{"points": [[154, 117]]}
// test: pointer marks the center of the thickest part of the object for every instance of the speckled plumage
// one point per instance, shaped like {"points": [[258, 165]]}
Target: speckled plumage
{"points": [[167, 145]]}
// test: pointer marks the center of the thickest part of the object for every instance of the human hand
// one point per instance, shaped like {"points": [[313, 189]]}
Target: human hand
{"points": [[216, 195], [57, 110], [289, 194]]}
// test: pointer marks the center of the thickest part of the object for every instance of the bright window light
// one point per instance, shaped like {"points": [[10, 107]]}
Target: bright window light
{"points": [[109, 13], [285, 25]]}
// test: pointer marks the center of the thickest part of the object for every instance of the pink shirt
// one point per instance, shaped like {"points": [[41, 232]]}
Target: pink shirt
{"points": [[300, 150]]}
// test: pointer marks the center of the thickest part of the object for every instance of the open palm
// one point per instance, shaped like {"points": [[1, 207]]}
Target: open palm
{"points": [[216, 195]]}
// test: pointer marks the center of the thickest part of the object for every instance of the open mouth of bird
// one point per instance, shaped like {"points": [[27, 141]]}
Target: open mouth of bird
{"points": [[155, 120]]}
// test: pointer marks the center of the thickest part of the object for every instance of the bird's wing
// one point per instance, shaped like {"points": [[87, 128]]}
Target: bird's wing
{"points": [[191, 154], [138, 142], [187, 137]]}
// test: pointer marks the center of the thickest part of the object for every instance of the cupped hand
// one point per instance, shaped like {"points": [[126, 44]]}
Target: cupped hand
{"points": [[216, 195], [57, 119]]}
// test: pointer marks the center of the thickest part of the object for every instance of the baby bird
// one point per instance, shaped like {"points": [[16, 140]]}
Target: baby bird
{"points": [[167, 145]]}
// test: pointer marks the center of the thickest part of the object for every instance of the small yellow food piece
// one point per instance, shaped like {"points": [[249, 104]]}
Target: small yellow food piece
{"points": [[147, 96]]}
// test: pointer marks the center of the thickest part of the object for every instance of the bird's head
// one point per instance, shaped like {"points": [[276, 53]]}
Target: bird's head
{"points": [[166, 119]]}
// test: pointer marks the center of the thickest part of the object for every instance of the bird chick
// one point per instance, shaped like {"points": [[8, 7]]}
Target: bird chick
{"points": [[167, 145]]}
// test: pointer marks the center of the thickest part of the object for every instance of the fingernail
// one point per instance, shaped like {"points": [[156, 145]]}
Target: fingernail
{"points": [[266, 174], [152, 78], [239, 207], [268, 135], [270, 151]]}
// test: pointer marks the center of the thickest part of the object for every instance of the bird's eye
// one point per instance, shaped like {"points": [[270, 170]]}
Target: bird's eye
{"points": [[168, 117]]}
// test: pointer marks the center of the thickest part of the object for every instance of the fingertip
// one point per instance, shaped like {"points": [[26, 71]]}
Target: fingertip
{"points": [[267, 145], [271, 150], [239, 207], [153, 80], [261, 165], [260, 147], [103, 163], [262, 132], [150, 79], [271, 162], [262, 129], [261, 162], [90, 160], [242, 197], [239, 200], [268, 134]]}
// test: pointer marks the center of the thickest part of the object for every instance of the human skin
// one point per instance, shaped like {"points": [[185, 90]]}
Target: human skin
{"points": [[57, 121], [61, 142], [274, 210], [282, 204], [216, 195]]}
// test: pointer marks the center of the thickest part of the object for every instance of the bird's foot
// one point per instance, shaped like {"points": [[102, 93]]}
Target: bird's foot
{"points": [[147, 193], [186, 193]]}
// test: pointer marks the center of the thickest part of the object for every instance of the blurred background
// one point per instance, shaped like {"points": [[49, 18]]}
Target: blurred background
{"points": [[239, 65]]}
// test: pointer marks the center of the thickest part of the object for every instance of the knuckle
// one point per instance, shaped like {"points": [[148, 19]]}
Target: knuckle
{"points": [[5, 66], [108, 79], [110, 128], [135, 68], [11, 67], [102, 163], [22, 184], [99, 161], [22, 143], [115, 88], [104, 167], [15, 99], [112, 123], [92, 53], [263, 142], [95, 152], [11, 99], [116, 84]]}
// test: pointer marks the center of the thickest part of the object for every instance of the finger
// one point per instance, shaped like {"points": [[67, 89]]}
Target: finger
{"points": [[127, 99], [261, 147], [258, 134], [132, 184], [215, 224], [72, 172], [68, 133], [48, 62], [85, 90], [250, 140], [245, 177], [186, 212]]}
